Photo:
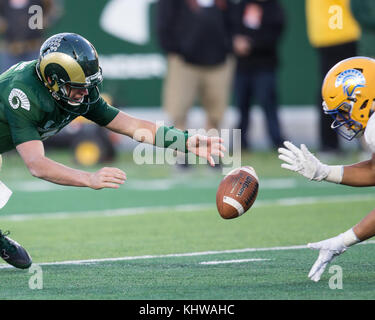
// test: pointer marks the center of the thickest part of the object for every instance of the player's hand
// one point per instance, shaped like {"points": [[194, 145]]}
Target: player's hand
{"points": [[206, 147], [328, 250], [107, 178], [301, 160]]}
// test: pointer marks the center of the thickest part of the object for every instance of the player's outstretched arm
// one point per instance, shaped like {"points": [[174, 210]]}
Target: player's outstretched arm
{"points": [[301, 160], [167, 137], [32, 153]]}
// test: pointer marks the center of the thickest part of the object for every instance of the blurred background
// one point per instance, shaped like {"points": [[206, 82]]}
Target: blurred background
{"points": [[134, 55]]}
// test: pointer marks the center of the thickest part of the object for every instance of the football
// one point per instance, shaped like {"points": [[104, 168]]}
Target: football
{"points": [[237, 192]]}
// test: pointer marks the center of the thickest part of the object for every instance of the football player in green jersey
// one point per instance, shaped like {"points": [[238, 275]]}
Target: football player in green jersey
{"points": [[38, 98]]}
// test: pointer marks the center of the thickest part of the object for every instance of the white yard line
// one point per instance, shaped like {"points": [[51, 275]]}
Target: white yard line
{"points": [[173, 255], [214, 262], [182, 208], [106, 213]]}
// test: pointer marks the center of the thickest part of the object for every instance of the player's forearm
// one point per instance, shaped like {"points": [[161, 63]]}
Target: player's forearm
{"points": [[138, 129], [361, 174], [149, 132], [145, 132], [47, 169], [365, 229]]}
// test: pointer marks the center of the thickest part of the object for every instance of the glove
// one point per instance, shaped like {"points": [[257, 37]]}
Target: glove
{"points": [[329, 249], [303, 162]]}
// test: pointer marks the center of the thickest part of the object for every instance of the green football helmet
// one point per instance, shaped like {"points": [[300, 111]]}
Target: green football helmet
{"points": [[68, 61]]}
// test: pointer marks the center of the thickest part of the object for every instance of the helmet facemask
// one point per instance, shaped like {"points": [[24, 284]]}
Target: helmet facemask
{"points": [[78, 106], [343, 124]]}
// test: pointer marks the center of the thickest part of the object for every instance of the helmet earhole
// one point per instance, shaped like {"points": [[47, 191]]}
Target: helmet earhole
{"points": [[52, 80], [364, 105]]}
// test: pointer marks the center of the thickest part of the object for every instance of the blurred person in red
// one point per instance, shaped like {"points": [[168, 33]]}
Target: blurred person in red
{"points": [[258, 26]]}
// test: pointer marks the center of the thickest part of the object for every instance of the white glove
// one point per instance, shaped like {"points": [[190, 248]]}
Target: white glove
{"points": [[329, 249], [303, 162]]}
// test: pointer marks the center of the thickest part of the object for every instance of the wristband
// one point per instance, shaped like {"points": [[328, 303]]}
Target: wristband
{"points": [[350, 238], [170, 137], [335, 174]]}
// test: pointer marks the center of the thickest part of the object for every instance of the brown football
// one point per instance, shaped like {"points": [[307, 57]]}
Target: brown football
{"points": [[237, 192]]}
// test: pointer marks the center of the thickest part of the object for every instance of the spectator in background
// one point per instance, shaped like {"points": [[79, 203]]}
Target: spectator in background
{"points": [[21, 42], [257, 25], [364, 13], [195, 34], [334, 32]]}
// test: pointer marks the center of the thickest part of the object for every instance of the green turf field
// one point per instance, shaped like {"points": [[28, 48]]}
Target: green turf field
{"points": [[160, 237]]}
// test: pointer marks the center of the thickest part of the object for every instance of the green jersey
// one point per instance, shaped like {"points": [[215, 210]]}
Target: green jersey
{"points": [[29, 112]]}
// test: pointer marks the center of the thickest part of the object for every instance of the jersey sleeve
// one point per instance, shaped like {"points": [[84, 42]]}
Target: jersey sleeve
{"points": [[23, 115], [101, 112]]}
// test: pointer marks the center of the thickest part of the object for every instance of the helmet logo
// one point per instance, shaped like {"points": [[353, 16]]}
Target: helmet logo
{"points": [[350, 80], [17, 98], [53, 44]]}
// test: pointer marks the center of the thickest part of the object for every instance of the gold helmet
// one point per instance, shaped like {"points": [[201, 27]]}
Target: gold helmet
{"points": [[348, 93]]}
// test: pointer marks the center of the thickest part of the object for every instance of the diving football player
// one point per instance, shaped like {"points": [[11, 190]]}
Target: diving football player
{"points": [[38, 98]]}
